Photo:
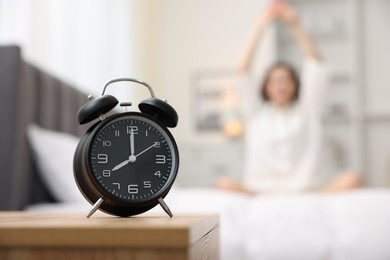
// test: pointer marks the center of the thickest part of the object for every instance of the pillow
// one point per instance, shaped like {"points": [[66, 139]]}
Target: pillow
{"points": [[53, 152]]}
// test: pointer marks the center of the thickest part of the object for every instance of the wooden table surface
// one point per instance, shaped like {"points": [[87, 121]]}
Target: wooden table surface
{"points": [[18, 229]]}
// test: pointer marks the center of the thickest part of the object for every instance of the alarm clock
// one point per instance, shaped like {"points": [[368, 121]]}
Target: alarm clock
{"points": [[126, 163]]}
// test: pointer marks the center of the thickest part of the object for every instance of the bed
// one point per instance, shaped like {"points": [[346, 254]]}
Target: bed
{"points": [[29, 95], [353, 225], [40, 122]]}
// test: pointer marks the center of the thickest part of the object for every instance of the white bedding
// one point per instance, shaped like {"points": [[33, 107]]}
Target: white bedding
{"points": [[353, 225]]}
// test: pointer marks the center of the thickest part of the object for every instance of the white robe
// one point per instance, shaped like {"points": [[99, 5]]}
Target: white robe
{"points": [[283, 145]]}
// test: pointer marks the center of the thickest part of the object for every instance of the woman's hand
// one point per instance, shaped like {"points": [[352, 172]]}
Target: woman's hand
{"points": [[287, 13], [270, 13], [279, 9]]}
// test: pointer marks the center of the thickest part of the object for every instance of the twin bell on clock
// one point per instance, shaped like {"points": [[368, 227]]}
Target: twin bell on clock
{"points": [[126, 163]]}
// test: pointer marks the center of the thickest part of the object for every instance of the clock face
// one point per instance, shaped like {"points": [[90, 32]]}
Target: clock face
{"points": [[133, 158]]}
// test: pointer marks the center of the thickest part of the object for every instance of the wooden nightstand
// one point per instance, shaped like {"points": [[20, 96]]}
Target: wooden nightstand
{"points": [[25, 235]]}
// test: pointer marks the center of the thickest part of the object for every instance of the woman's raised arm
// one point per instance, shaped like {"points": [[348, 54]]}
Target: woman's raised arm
{"points": [[268, 15], [306, 43]]}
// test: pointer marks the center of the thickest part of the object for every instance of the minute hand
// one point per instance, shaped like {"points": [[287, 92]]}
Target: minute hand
{"points": [[150, 147], [132, 142]]}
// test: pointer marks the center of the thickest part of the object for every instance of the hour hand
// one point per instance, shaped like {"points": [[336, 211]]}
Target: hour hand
{"points": [[120, 165]]}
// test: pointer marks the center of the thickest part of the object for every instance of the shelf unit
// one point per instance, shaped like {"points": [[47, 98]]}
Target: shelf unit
{"points": [[355, 114]]}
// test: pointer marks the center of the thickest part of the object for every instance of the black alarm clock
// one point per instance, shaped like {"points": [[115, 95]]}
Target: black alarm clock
{"points": [[126, 163]]}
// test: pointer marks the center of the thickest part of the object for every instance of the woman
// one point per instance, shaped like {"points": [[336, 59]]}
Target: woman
{"points": [[283, 132]]}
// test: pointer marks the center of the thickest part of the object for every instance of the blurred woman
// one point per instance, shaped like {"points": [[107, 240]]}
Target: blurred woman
{"points": [[283, 129]]}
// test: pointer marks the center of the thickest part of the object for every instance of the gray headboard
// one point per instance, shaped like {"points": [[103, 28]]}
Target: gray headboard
{"points": [[29, 95]]}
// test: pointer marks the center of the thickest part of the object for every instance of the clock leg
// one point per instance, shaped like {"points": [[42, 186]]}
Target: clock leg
{"points": [[95, 207], [165, 207]]}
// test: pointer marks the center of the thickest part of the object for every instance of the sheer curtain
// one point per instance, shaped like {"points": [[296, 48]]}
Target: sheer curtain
{"points": [[85, 43]]}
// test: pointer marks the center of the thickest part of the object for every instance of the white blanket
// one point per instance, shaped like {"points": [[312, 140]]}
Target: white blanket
{"points": [[352, 225]]}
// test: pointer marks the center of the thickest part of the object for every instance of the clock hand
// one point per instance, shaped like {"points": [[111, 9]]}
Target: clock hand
{"points": [[150, 147], [131, 142], [132, 158], [120, 165]]}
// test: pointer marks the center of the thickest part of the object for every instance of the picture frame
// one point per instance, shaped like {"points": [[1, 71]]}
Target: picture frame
{"points": [[216, 99]]}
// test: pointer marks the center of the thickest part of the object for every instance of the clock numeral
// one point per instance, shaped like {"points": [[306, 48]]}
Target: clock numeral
{"points": [[147, 184], [106, 143], [102, 158], [156, 144], [157, 173], [132, 128], [117, 133], [132, 188], [117, 184], [160, 159], [106, 173]]}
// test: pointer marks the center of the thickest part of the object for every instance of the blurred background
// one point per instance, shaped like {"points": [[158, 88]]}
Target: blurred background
{"points": [[188, 49]]}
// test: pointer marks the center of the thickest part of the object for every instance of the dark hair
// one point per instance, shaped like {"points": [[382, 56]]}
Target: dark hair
{"points": [[293, 74]]}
